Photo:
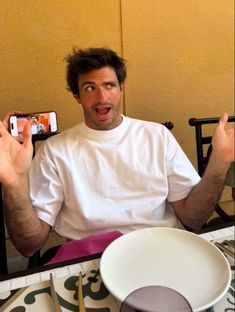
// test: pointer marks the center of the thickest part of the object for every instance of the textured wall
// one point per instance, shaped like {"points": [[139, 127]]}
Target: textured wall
{"points": [[179, 53]]}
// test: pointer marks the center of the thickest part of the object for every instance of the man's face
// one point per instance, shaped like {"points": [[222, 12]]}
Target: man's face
{"points": [[34, 120], [100, 97]]}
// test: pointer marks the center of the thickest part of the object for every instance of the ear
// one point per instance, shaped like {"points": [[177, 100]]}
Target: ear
{"points": [[77, 98]]}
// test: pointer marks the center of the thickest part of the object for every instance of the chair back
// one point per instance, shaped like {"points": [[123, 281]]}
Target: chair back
{"points": [[169, 125], [203, 155]]}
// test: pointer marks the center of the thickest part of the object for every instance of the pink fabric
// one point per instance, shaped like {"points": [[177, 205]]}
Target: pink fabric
{"points": [[87, 246]]}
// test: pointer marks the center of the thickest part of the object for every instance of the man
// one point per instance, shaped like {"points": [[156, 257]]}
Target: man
{"points": [[36, 126], [110, 172]]}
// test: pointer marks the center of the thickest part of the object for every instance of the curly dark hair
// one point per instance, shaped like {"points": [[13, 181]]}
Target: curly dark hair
{"points": [[34, 115], [83, 61]]}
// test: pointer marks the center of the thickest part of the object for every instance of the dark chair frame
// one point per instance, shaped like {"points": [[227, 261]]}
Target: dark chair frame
{"points": [[169, 125], [201, 140], [202, 157]]}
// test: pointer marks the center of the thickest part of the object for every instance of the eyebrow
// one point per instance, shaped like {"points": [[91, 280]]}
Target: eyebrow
{"points": [[87, 82], [93, 83]]}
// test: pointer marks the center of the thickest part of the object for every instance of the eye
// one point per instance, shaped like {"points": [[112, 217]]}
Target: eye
{"points": [[89, 88], [110, 85]]}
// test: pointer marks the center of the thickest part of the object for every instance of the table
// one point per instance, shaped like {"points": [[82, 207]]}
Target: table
{"points": [[29, 290]]}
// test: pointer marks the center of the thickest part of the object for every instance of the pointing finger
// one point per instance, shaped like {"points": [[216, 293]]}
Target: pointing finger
{"points": [[27, 135]]}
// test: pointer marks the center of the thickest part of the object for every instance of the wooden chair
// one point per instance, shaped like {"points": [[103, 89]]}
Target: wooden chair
{"points": [[203, 141]]}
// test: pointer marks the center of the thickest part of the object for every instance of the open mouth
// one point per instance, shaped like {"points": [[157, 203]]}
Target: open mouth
{"points": [[102, 112]]}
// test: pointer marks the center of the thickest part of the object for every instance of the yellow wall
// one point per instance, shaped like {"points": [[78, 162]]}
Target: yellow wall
{"points": [[179, 53]]}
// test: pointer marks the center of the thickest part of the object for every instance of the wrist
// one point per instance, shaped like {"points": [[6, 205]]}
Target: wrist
{"points": [[218, 165], [15, 182]]}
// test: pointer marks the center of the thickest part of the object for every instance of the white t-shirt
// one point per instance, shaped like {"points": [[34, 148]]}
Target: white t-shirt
{"points": [[86, 181], [34, 129]]}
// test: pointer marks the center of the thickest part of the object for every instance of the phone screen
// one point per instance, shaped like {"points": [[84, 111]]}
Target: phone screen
{"points": [[41, 123]]}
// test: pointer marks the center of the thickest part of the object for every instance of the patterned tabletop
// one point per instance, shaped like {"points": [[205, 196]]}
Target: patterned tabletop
{"points": [[32, 292]]}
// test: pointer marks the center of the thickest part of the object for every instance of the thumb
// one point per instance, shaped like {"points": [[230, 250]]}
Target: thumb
{"points": [[223, 119]]}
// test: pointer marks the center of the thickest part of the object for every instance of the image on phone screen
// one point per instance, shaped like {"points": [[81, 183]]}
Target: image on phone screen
{"points": [[45, 122]]}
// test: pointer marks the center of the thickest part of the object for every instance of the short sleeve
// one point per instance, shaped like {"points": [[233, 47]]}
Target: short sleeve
{"points": [[181, 174], [46, 189]]}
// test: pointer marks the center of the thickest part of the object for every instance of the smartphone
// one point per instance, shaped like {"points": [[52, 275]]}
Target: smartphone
{"points": [[41, 123]]}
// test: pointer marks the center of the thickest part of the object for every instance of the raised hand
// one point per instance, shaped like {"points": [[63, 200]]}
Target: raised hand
{"points": [[223, 140], [15, 157]]}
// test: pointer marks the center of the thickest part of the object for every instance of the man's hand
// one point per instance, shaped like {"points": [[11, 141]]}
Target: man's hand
{"points": [[195, 210], [15, 158], [27, 231], [223, 141]]}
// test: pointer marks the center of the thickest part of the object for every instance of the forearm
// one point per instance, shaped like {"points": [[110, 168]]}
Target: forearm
{"points": [[196, 209], [23, 225]]}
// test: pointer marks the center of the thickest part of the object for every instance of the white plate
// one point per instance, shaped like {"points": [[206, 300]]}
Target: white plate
{"points": [[169, 257]]}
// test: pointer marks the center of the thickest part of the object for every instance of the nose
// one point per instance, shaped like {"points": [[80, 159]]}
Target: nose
{"points": [[101, 95]]}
